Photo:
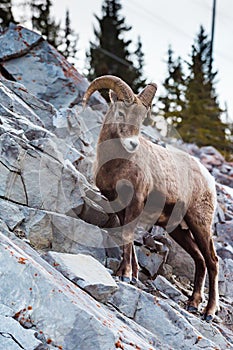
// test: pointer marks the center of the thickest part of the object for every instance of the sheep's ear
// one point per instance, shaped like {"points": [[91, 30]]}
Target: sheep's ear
{"points": [[148, 113], [112, 96]]}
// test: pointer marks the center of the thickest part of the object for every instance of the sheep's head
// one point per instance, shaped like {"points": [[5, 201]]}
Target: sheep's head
{"points": [[127, 110]]}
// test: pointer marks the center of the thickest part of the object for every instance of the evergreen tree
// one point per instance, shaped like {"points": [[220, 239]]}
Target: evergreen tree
{"points": [[201, 121], [43, 21], [110, 54], [173, 101], [139, 82], [6, 15], [70, 39]]}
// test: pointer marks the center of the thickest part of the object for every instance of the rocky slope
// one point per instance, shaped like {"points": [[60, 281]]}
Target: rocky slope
{"points": [[56, 258]]}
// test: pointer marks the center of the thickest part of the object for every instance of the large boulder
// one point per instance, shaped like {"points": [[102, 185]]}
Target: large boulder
{"points": [[32, 61]]}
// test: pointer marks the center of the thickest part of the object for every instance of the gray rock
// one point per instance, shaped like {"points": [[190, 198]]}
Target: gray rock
{"points": [[6, 311], [44, 111], [226, 278], [224, 250], [93, 213], [210, 150], [12, 187], [207, 330], [11, 151], [51, 77], [181, 262], [225, 231], [112, 264], [37, 228], [16, 41], [226, 315], [164, 286], [10, 214], [49, 184], [150, 261], [125, 299], [13, 336], [66, 315], [163, 320], [20, 112], [71, 235], [86, 272], [69, 126]]}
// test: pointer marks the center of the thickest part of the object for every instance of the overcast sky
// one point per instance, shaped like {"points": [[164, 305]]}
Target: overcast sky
{"points": [[160, 23]]}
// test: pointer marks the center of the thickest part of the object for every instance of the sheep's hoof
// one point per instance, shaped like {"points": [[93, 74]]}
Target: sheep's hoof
{"points": [[192, 309], [134, 281], [117, 278], [208, 318], [125, 279]]}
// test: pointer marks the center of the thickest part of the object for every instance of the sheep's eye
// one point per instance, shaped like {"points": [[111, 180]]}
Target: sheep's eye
{"points": [[121, 114]]}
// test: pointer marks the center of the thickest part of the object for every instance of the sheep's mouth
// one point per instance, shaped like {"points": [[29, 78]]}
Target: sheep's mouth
{"points": [[131, 144]]}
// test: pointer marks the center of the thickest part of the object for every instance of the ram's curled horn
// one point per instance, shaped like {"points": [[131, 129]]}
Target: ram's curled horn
{"points": [[147, 94], [122, 90]]}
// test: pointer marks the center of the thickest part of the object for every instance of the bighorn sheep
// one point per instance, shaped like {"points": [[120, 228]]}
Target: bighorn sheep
{"points": [[155, 185]]}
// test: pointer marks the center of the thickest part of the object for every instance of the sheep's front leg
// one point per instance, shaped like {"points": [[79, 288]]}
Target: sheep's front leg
{"points": [[129, 217], [135, 266], [125, 270]]}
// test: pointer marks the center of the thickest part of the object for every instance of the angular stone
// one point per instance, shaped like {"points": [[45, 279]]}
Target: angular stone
{"points": [[181, 262], [164, 286], [11, 152], [15, 336], [49, 184], [16, 41], [12, 187], [224, 250], [148, 260], [72, 235], [71, 127], [162, 320], [20, 113], [225, 231], [10, 214], [125, 299], [226, 278], [43, 111], [93, 213], [51, 77], [207, 330], [86, 272], [37, 228], [210, 150], [229, 190]]}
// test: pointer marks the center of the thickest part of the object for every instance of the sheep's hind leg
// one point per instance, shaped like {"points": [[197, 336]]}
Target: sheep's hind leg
{"points": [[206, 246], [186, 241], [202, 234]]}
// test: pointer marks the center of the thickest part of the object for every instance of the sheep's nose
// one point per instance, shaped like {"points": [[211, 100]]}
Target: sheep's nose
{"points": [[133, 144]]}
